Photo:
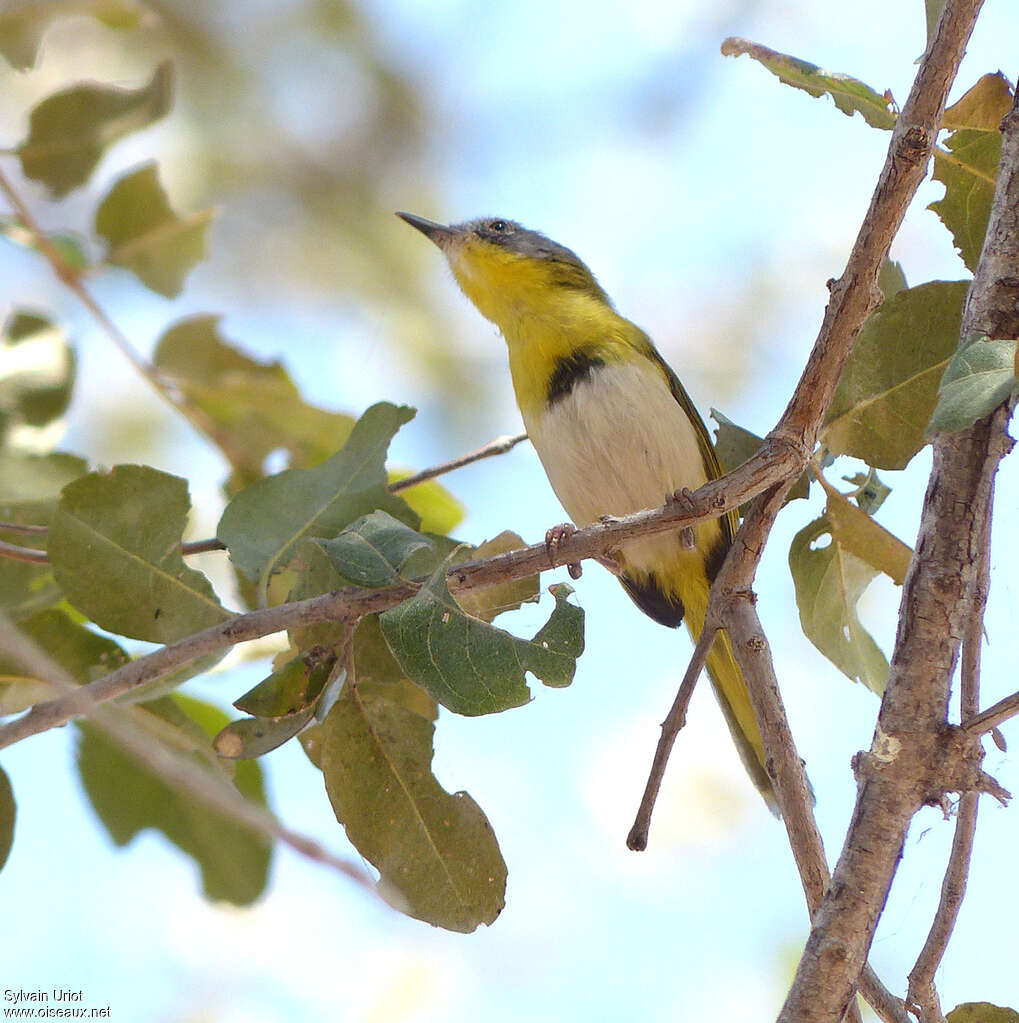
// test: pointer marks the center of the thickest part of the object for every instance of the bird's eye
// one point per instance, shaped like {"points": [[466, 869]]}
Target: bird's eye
{"points": [[497, 225]]}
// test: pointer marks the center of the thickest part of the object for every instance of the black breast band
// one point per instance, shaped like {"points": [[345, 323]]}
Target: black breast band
{"points": [[571, 370]]}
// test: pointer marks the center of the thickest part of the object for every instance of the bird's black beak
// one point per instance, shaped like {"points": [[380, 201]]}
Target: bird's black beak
{"points": [[438, 233]]}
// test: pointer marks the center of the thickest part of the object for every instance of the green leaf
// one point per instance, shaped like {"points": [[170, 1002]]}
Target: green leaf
{"points": [[889, 387], [263, 525], [69, 131], [249, 738], [968, 165], [472, 667], [83, 654], [982, 1012], [37, 371], [891, 279], [933, 11], [850, 95], [129, 798], [734, 445], [436, 854], [291, 688], [29, 488], [115, 547], [493, 600], [439, 510], [373, 550], [145, 236], [978, 379], [23, 26], [254, 407], [8, 813], [858, 534], [829, 582]]}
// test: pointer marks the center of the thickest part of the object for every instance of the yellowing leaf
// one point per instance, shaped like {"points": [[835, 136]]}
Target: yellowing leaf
{"points": [[982, 1012], [856, 532], [145, 235], [493, 600], [70, 131], [829, 582], [254, 408], [968, 163]]}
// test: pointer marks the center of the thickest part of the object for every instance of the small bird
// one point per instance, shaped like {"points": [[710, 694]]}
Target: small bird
{"points": [[613, 427]]}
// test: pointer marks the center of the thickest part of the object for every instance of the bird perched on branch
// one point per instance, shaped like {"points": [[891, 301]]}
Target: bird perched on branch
{"points": [[613, 427]]}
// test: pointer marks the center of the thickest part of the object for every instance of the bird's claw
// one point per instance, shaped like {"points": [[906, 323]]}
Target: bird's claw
{"points": [[554, 539], [683, 496]]}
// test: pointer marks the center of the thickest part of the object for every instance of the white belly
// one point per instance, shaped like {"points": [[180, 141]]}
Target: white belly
{"points": [[617, 443]]}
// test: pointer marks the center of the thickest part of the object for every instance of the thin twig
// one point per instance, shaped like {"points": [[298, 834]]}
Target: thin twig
{"points": [[498, 446], [20, 527], [182, 774], [16, 553], [988, 720], [351, 603], [72, 278], [674, 721]]}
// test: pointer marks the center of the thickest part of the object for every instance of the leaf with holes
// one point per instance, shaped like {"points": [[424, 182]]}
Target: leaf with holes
{"points": [[829, 582], [472, 667]]}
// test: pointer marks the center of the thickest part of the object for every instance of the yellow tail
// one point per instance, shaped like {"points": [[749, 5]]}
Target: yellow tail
{"points": [[677, 588]]}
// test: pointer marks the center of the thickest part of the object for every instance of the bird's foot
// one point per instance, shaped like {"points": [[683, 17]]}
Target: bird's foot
{"points": [[684, 497], [554, 539]]}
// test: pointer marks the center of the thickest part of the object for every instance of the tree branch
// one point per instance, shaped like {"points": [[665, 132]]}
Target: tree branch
{"points": [[674, 721], [176, 770], [922, 994], [352, 603], [913, 759]]}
